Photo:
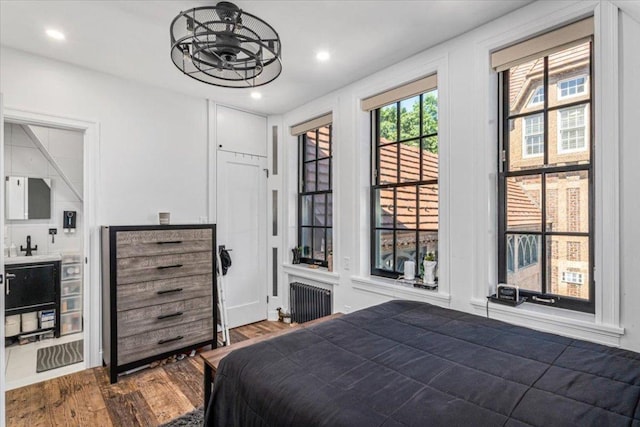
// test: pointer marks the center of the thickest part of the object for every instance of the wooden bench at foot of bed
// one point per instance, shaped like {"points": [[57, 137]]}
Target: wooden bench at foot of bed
{"points": [[213, 357]]}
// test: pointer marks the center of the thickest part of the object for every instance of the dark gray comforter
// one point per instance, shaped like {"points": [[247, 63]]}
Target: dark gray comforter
{"points": [[411, 363]]}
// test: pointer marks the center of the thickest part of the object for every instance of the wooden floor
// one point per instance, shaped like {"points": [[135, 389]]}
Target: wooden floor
{"points": [[146, 398]]}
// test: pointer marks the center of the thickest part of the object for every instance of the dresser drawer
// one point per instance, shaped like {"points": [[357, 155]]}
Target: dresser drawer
{"points": [[147, 268], [158, 236], [145, 294], [160, 242], [148, 344], [162, 316]]}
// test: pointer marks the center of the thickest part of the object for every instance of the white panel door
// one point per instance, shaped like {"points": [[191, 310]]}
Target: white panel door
{"points": [[2, 196], [241, 227]]}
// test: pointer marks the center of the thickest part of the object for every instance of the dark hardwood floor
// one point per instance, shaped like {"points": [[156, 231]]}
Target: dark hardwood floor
{"points": [[149, 397]]}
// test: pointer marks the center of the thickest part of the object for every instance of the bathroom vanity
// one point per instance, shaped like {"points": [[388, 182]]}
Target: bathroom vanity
{"points": [[31, 286]]}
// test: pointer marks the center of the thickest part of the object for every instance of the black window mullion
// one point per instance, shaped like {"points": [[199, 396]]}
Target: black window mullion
{"points": [[417, 205], [316, 158], [502, 187], [592, 154], [395, 226], [544, 275], [398, 172], [326, 246], [326, 223], [421, 138]]}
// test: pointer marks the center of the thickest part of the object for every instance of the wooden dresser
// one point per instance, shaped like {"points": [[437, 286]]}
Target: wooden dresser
{"points": [[158, 290]]}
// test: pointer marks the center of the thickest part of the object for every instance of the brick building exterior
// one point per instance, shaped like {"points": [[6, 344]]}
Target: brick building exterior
{"points": [[568, 141]]}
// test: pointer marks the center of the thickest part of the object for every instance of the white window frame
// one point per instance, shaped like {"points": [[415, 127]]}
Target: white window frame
{"points": [[559, 130], [525, 154], [572, 277], [533, 96], [573, 95]]}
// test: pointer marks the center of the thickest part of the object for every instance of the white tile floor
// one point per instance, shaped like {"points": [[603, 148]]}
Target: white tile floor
{"points": [[21, 360]]}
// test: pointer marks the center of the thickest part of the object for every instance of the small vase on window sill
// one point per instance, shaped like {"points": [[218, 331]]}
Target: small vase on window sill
{"points": [[297, 252], [429, 264], [330, 261]]}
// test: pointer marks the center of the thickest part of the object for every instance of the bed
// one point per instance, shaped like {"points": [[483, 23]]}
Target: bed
{"points": [[406, 363]]}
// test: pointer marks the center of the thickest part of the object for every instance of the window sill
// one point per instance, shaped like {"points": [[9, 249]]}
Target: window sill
{"points": [[554, 320], [392, 288], [319, 274]]}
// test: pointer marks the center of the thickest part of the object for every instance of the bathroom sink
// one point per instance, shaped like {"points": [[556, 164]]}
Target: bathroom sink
{"points": [[31, 259]]}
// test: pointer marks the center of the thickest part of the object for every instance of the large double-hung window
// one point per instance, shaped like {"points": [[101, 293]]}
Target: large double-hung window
{"points": [[315, 193], [404, 181], [546, 172]]}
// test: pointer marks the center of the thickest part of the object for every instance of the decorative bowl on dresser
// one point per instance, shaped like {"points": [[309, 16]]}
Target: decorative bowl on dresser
{"points": [[158, 290]]}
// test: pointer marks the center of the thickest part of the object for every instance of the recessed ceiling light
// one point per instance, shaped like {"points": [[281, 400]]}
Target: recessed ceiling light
{"points": [[55, 34], [323, 55], [256, 95]]}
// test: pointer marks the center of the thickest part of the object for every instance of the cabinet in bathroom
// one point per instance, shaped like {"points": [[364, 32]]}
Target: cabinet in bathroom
{"points": [[33, 287]]}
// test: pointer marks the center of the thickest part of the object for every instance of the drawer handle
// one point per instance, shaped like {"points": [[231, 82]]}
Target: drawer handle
{"points": [[170, 242], [178, 338], [164, 267], [167, 316], [169, 291]]}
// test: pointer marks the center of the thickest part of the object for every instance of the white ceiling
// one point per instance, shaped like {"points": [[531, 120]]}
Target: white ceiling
{"points": [[130, 39]]}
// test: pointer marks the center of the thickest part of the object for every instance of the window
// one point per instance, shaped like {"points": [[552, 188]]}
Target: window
{"points": [[315, 203], [572, 129], [404, 190], [511, 254], [571, 87], [533, 136], [573, 251], [546, 212], [527, 251], [572, 277], [537, 97]]}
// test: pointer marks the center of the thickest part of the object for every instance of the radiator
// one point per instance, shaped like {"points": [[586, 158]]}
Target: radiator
{"points": [[308, 302]]}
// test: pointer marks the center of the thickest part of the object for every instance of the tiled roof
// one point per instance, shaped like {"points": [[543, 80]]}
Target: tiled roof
{"points": [[410, 171], [524, 210], [523, 76]]}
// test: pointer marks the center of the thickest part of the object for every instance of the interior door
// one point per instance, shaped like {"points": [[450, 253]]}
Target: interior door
{"points": [[241, 227], [2, 364]]}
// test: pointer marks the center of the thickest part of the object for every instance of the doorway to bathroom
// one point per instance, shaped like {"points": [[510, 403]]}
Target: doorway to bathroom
{"points": [[43, 252]]}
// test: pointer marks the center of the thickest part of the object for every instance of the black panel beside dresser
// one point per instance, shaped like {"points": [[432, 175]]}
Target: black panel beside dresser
{"points": [[158, 290]]}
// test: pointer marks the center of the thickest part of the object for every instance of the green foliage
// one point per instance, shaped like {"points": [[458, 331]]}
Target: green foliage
{"points": [[410, 122]]}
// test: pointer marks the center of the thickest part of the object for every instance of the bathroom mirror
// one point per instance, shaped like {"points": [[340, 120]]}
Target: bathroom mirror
{"points": [[27, 198]]}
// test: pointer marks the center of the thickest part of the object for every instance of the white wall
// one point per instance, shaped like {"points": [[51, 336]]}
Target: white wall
{"points": [[153, 143], [468, 105], [23, 158], [629, 181]]}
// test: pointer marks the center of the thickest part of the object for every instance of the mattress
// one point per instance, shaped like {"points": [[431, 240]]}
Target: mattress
{"points": [[406, 363]]}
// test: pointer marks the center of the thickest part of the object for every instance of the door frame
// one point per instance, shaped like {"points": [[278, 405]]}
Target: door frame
{"points": [[91, 239], [2, 363]]}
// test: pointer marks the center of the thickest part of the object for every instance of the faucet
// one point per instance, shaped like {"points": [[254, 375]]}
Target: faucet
{"points": [[28, 249]]}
